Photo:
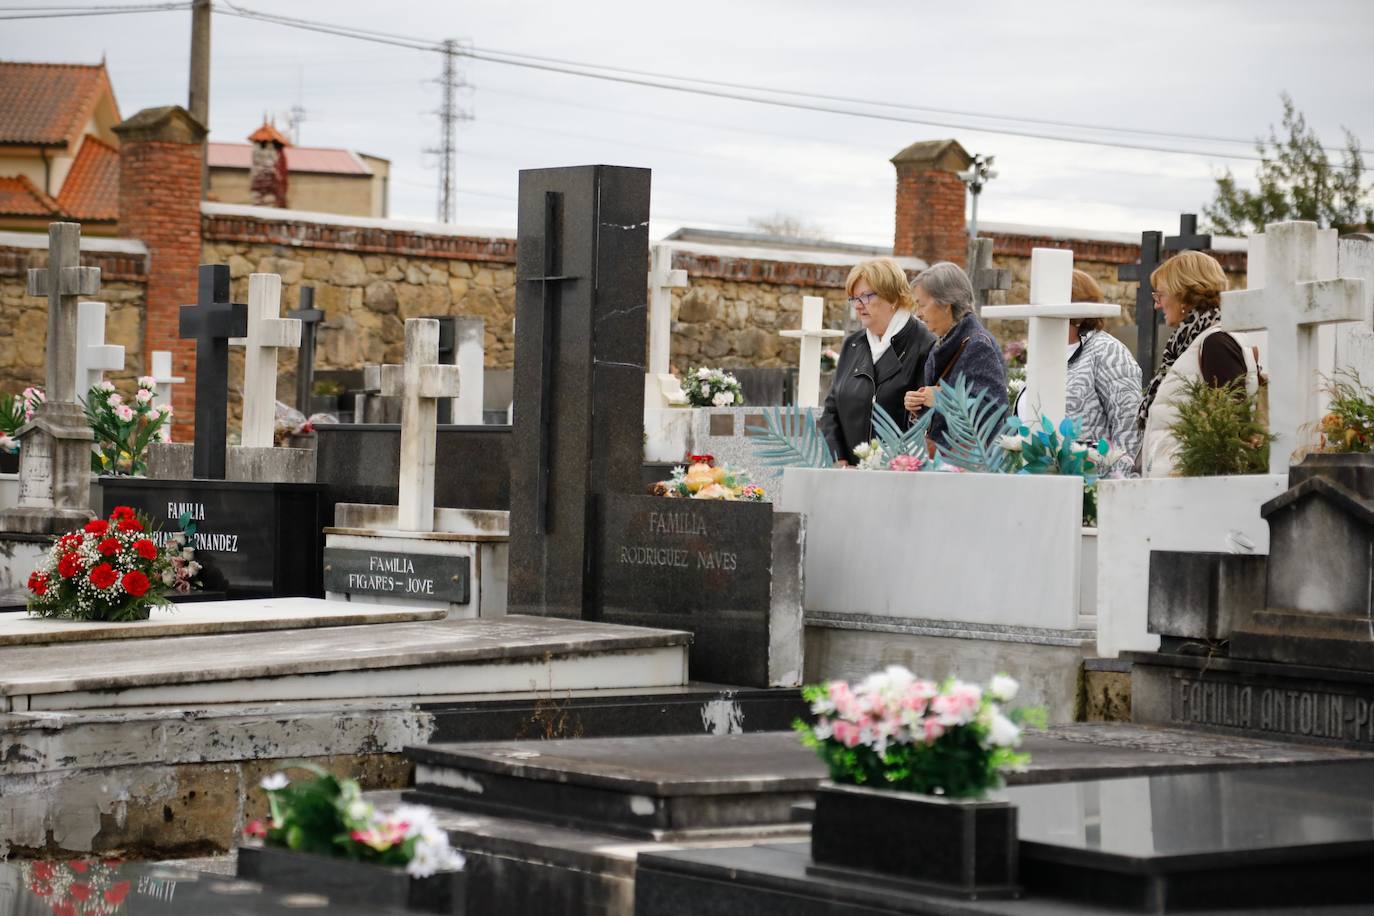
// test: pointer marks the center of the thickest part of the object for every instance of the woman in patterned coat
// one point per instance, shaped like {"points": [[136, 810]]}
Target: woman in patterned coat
{"points": [[1103, 387]]}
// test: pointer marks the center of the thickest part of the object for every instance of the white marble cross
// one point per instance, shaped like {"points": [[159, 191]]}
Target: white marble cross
{"points": [[267, 333], [809, 362], [60, 283], [93, 356], [1289, 299], [420, 383], [162, 376], [1048, 314], [660, 387], [469, 344]]}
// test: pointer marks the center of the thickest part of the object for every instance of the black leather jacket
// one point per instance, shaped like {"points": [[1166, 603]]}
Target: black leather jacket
{"points": [[848, 416]]}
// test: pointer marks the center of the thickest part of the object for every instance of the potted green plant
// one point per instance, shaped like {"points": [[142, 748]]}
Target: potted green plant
{"points": [[323, 837], [911, 762]]}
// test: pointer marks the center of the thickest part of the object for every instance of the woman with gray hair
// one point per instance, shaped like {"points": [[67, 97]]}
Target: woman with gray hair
{"points": [[964, 348]]}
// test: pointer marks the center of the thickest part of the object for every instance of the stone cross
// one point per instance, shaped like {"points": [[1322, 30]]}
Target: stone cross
{"points": [[309, 317], [267, 332], [420, 383], [162, 376], [809, 363], [660, 388], [1291, 293], [61, 282], [984, 276], [1049, 313], [93, 355], [470, 338], [1146, 322], [212, 321], [1188, 238]]}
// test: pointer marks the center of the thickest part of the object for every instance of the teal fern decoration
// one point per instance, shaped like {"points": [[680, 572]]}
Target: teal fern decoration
{"points": [[894, 441], [972, 426], [791, 439]]}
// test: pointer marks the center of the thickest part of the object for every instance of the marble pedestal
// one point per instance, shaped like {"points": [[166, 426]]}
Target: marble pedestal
{"points": [[174, 461], [460, 566]]}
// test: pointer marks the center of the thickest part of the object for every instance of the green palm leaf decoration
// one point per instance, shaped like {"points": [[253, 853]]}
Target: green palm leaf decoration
{"points": [[894, 440], [11, 413], [972, 425], [790, 439]]}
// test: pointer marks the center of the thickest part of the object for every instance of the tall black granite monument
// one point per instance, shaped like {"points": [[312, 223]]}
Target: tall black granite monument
{"points": [[581, 307]]}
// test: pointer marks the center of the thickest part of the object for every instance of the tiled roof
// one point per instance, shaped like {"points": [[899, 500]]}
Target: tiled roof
{"points": [[298, 159], [91, 189], [21, 197], [48, 104], [268, 133]]}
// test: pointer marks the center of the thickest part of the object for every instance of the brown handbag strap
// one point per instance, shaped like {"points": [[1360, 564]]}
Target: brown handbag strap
{"points": [[957, 353]]}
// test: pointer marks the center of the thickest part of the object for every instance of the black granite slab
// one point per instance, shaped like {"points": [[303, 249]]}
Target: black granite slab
{"points": [[357, 882], [252, 539], [699, 709], [581, 306], [656, 787], [397, 574], [161, 890], [697, 565]]}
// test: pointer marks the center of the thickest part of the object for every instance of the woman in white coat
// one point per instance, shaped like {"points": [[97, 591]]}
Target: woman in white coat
{"points": [[1187, 289]]}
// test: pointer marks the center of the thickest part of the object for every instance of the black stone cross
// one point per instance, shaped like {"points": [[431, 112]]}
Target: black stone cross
{"points": [[1188, 238], [447, 343], [308, 316], [550, 280], [212, 321], [1147, 323]]}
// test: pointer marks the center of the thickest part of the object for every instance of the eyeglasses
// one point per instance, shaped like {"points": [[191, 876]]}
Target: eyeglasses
{"points": [[1157, 297], [864, 300]]}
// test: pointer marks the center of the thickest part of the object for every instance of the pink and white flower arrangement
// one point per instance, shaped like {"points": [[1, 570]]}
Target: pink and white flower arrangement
{"points": [[327, 815], [897, 731], [123, 429]]}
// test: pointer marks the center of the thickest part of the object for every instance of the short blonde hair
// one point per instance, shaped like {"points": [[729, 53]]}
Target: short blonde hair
{"points": [[1085, 289], [1195, 279], [885, 277]]}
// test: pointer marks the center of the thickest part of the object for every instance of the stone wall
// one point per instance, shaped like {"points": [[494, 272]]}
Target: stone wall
{"points": [[24, 318]]}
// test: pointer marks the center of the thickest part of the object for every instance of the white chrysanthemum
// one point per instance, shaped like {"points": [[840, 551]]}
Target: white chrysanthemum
{"points": [[1010, 443], [723, 399], [1003, 732], [275, 782], [1003, 688]]}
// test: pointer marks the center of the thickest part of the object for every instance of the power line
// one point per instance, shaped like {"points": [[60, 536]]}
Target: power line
{"points": [[72, 12]]}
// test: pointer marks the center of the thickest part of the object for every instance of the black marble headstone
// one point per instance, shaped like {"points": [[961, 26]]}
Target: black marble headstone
{"points": [[580, 305], [212, 321], [309, 317], [1147, 322]]}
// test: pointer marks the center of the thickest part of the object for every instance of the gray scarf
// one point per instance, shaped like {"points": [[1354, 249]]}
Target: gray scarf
{"points": [[1188, 331]]}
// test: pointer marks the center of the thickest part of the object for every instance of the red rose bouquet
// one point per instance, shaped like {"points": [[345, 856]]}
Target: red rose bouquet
{"points": [[111, 569]]}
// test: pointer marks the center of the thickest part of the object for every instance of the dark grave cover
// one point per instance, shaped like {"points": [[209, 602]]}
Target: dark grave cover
{"points": [[253, 540]]}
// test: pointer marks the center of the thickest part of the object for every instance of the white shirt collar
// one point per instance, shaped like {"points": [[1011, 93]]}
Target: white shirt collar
{"points": [[880, 345]]}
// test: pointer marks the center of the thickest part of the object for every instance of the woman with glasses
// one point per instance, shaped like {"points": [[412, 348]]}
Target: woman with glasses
{"points": [[944, 300], [1187, 289], [878, 363]]}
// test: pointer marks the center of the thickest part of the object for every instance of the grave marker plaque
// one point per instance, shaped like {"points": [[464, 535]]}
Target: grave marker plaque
{"points": [[399, 574]]}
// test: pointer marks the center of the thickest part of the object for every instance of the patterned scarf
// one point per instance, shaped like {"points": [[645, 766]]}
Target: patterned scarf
{"points": [[1188, 331]]}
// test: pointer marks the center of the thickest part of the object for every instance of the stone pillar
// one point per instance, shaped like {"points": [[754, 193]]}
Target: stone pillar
{"points": [[930, 202], [161, 153]]}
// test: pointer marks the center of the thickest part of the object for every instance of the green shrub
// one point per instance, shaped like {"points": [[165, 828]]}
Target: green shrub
{"points": [[1219, 431]]}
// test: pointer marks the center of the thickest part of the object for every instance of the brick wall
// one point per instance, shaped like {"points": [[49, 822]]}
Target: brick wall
{"points": [[930, 216]]}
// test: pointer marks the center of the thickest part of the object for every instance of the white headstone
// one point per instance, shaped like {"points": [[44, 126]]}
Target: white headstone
{"points": [[660, 388], [470, 346], [162, 376], [267, 332], [94, 357], [1048, 314], [1354, 342], [1289, 299], [809, 361], [420, 383]]}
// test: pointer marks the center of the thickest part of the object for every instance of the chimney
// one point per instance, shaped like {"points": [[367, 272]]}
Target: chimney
{"points": [[930, 202], [161, 151], [267, 177]]}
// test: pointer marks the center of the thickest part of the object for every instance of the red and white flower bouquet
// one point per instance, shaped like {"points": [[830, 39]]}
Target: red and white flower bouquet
{"points": [[110, 570]]}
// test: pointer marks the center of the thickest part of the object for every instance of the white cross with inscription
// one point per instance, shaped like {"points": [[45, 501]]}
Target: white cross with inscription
{"points": [[162, 376], [267, 333], [1288, 299], [660, 388], [1048, 314], [61, 282], [809, 360], [420, 383], [93, 356]]}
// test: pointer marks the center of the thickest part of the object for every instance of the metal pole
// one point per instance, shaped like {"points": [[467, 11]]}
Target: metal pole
{"points": [[973, 223], [198, 101]]}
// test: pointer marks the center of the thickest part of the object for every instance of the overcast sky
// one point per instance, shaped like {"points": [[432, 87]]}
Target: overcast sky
{"points": [[1203, 67]]}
